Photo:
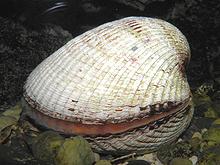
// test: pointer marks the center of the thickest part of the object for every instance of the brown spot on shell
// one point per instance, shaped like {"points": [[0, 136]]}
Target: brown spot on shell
{"points": [[119, 110], [71, 109]]}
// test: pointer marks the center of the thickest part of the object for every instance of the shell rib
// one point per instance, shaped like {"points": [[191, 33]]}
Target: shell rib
{"points": [[130, 70]]}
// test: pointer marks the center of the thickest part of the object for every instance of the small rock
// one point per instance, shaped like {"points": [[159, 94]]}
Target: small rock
{"points": [[180, 161], [195, 143], [151, 158], [179, 140], [194, 159], [75, 151], [197, 135], [103, 162], [46, 145], [97, 157], [204, 130]]}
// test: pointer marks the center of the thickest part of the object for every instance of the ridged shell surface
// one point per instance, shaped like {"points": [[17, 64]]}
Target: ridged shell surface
{"points": [[113, 73]]}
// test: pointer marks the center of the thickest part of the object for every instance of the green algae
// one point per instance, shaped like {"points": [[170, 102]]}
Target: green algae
{"points": [[75, 151], [45, 146], [180, 161]]}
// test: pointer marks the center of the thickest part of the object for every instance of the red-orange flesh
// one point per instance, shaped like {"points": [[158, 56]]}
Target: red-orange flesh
{"points": [[69, 127]]}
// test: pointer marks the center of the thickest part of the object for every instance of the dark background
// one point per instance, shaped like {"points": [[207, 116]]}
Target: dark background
{"points": [[31, 30]]}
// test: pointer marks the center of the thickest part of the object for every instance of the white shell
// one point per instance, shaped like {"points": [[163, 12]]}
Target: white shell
{"points": [[119, 72], [110, 72]]}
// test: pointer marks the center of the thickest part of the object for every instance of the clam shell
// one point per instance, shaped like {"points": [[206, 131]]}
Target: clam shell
{"points": [[119, 72]]}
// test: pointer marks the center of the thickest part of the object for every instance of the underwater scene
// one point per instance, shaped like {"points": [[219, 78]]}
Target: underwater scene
{"points": [[117, 82]]}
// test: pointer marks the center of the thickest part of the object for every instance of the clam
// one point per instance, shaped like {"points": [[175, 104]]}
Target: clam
{"points": [[121, 85]]}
